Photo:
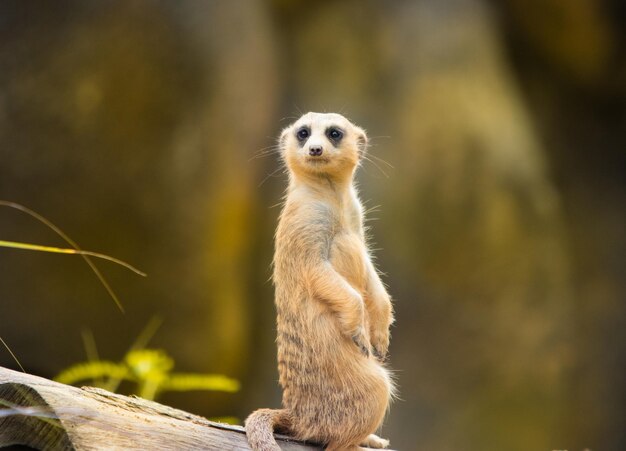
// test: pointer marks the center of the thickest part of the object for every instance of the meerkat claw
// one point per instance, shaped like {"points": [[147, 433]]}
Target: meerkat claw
{"points": [[380, 356], [358, 340]]}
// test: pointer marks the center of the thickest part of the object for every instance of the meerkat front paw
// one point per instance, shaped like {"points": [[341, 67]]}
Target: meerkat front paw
{"points": [[381, 318]]}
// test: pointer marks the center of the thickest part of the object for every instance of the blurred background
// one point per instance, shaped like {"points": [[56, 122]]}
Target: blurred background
{"points": [[138, 127]]}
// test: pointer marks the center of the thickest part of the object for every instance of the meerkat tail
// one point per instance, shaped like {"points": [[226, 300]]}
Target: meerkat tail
{"points": [[260, 427]]}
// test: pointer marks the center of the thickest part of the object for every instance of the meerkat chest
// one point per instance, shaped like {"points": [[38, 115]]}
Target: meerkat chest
{"points": [[348, 251]]}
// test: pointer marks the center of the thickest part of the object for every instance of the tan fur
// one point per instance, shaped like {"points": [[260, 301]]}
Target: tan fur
{"points": [[333, 311]]}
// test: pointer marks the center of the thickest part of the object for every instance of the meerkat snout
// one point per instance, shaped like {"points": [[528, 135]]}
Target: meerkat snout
{"points": [[315, 151]]}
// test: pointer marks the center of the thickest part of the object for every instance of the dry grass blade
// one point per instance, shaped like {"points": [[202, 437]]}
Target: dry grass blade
{"points": [[59, 250], [85, 255], [12, 355]]}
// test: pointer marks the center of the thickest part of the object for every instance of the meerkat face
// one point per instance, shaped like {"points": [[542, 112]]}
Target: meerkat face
{"points": [[323, 144]]}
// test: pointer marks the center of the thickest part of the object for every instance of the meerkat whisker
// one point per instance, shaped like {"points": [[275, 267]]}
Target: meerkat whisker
{"points": [[366, 158], [270, 175], [381, 160]]}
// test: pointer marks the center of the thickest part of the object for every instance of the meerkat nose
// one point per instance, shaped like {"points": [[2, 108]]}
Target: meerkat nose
{"points": [[315, 151]]}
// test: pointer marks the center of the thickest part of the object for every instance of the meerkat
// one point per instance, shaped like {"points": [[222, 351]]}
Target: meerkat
{"points": [[333, 311]]}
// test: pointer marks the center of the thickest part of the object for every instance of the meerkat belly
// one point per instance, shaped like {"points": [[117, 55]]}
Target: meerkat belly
{"points": [[348, 258], [328, 390]]}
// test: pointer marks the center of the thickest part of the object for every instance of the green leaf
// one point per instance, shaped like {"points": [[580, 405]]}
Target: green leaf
{"points": [[191, 381], [92, 370], [150, 364]]}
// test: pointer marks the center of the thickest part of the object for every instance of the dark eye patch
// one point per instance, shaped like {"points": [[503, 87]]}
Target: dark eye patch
{"points": [[334, 134], [303, 134]]}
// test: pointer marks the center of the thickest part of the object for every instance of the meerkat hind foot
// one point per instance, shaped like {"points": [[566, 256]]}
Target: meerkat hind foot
{"points": [[374, 441]]}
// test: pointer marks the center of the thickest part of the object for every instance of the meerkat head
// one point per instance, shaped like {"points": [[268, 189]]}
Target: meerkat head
{"points": [[323, 144]]}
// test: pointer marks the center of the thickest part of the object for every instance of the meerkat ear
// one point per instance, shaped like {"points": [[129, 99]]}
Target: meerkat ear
{"points": [[361, 140], [282, 140]]}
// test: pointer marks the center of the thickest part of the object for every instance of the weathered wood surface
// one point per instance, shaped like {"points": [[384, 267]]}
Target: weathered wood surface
{"points": [[43, 414]]}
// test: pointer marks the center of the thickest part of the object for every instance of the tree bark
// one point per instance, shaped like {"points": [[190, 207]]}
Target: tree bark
{"points": [[43, 414]]}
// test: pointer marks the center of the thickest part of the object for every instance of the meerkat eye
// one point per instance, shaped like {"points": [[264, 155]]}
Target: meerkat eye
{"points": [[334, 134], [303, 133]]}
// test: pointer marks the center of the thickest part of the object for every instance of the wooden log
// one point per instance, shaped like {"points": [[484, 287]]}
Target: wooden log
{"points": [[43, 414]]}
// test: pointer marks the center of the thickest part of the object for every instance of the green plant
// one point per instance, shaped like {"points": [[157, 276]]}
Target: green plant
{"points": [[150, 370]]}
